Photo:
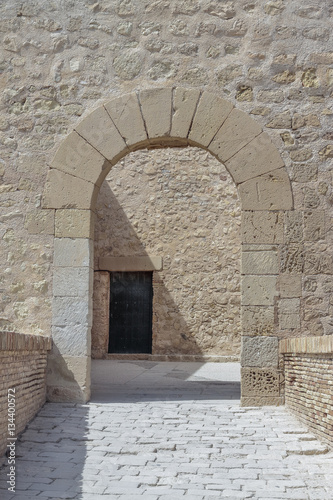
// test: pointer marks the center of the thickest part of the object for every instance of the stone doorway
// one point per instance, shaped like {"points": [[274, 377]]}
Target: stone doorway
{"points": [[155, 118]]}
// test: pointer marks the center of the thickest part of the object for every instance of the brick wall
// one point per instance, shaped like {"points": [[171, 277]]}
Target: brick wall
{"points": [[23, 361], [309, 382]]}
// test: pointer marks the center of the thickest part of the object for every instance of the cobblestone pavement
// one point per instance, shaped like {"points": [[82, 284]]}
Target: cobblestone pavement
{"points": [[168, 430]]}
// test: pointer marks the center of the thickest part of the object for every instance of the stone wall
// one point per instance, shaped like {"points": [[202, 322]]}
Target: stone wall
{"points": [[181, 205], [308, 382], [272, 61], [59, 61], [22, 369]]}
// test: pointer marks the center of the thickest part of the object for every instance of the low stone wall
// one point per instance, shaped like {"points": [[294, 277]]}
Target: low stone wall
{"points": [[309, 382], [23, 361]]}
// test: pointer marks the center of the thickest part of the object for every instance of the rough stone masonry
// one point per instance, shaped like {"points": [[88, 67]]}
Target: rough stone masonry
{"points": [[272, 61]]}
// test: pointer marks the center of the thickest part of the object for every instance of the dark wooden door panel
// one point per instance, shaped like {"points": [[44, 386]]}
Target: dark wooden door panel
{"points": [[131, 296]]}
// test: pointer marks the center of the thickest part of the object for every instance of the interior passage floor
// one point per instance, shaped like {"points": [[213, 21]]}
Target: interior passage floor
{"points": [[168, 430]]}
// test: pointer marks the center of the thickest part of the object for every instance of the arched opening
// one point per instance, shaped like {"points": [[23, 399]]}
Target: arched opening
{"points": [[151, 119], [179, 207]]}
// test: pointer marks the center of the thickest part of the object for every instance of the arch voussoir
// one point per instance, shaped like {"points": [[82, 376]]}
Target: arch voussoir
{"points": [[256, 158], [78, 158], [270, 191], [236, 132], [211, 113], [99, 130]]}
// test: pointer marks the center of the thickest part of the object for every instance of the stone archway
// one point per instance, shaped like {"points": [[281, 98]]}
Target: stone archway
{"points": [[158, 118]]}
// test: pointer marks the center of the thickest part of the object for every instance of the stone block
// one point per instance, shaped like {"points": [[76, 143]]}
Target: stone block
{"points": [[71, 340], [270, 191], [211, 113], [304, 172], [293, 226], [289, 321], [183, 108], [292, 258], [318, 263], [257, 320], [40, 222], [262, 401], [78, 158], [101, 305], [73, 252], [262, 227], [126, 115], [260, 352], [148, 263], [238, 130], [314, 225], [68, 378], [256, 158], [261, 382], [156, 111], [65, 191], [289, 313], [71, 311], [258, 290], [99, 130], [290, 286], [74, 223], [260, 262], [72, 281]]}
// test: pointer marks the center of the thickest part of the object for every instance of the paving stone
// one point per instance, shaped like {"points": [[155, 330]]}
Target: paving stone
{"points": [[204, 449]]}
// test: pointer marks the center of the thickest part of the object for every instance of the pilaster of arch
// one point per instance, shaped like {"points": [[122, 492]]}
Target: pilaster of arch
{"points": [[163, 117]]}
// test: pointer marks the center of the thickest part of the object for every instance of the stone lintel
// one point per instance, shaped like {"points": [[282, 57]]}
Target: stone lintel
{"points": [[130, 263]]}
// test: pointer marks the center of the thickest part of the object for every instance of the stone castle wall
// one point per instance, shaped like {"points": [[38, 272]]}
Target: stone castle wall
{"points": [[271, 60], [60, 60]]}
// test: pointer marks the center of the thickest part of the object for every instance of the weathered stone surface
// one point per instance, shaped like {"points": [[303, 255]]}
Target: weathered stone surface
{"points": [[126, 115], [72, 340], [258, 157], [77, 158], [257, 320], [262, 227], [318, 263], [289, 313], [40, 222], [290, 286], [65, 191], [68, 378], [314, 225], [211, 113], [74, 224], [270, 191], [260, 352], [101, 301], [99, 130], [282, 120], [260, 262], [184, 106], [304, 172], [72, 281], [293, 231], [156, 110], [72, 252], [123, 264], [237, 131], [260, 382], [292, 258], [258, 290], [71, 311]]}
